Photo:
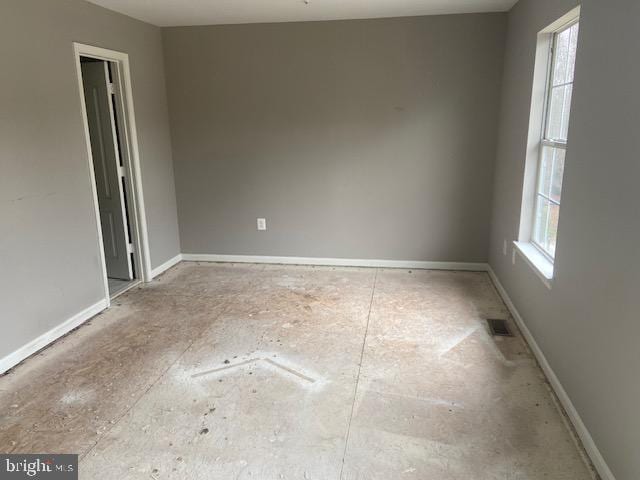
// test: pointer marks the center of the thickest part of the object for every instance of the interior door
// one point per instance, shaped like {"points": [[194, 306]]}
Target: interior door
{"points": [[108, 170]]}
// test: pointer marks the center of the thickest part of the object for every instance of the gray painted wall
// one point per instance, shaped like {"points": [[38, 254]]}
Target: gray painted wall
{"points": [[355, 139], [49, 257], [587, 324], [304, 124]]}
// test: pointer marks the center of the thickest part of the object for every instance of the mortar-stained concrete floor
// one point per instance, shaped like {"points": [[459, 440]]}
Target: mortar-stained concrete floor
{"points": [[223, 371]]}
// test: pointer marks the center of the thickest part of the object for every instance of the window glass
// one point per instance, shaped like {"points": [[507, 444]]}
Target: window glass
{"points": [[558, 113], [554, 141]]}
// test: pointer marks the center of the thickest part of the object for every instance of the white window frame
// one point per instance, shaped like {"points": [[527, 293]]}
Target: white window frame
{"points": [[549, 142], [537, 257]]}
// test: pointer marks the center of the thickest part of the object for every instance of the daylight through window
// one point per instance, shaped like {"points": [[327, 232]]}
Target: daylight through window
{"points": [[554, 139]]}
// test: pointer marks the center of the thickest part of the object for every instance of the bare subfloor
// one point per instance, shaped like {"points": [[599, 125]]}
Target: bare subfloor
{"points": [[218, 371]]}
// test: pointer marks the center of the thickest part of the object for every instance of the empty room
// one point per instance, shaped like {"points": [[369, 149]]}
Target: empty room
{"points": [[320, 239]]}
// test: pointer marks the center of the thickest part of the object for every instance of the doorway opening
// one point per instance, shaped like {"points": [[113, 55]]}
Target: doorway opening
{"points": [[108, 156], [105, 92]]}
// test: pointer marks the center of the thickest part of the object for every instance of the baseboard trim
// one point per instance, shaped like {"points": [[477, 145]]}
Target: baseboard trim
{"points": [[590, 447], [52, 335], [166, 266], [336, 262]]}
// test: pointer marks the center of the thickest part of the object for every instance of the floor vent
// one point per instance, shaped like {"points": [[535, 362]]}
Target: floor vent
{"points": [[499, 327]]}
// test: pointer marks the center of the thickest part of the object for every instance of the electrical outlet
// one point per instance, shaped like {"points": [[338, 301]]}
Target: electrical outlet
{"points": [[262, 223], [504, 247]]}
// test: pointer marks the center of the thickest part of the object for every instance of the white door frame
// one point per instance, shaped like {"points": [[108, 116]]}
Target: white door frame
{"points": [[137, 216]]}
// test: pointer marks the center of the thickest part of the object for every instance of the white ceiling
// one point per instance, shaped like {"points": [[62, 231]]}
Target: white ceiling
{"points": [[215, 12]]}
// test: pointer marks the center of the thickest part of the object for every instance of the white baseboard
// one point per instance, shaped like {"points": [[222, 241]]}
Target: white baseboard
{"points": [[336, 262], [166, 266], [589, 445], [45, 339]]}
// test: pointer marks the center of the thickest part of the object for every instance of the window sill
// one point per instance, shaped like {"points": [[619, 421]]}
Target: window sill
{"points": [[538, 262]]}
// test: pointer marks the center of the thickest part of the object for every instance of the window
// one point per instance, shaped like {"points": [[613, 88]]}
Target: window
{"points": [[546, 149], [553, 144]]}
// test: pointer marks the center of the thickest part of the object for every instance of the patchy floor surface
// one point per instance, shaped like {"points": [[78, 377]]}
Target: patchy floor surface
{"points": [[226, 371]]}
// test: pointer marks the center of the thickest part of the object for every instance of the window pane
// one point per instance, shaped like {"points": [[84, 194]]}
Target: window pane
{"points": [[552, 229], [566, 43], [546, 170], [558, 114], [561, 57], [540, 225], [573, 46], [557, 171], [545, 230]]}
